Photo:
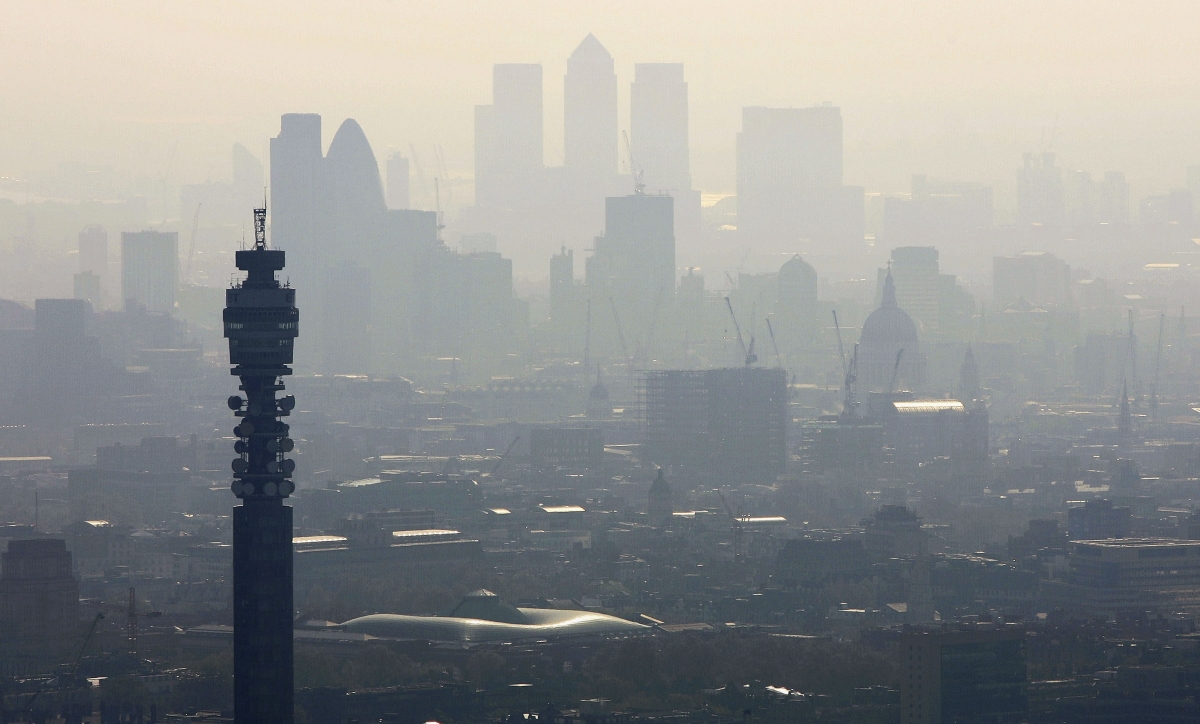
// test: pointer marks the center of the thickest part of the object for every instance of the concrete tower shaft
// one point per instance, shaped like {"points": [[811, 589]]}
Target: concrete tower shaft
{"points": [[262, 323]]}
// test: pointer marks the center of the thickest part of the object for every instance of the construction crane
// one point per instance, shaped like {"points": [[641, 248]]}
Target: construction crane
{"points": [[1162, 321], [417, 167], [751, 358], [778, 357], [439, 156], [850, 370], [639, 188], [87, 638], [187, 274], [653, 327], [895, 371], [131, 617], [504, 457], [621, 337], [841, 349], [587, 338], [738, 522], [1133, 365], [437, 199]]}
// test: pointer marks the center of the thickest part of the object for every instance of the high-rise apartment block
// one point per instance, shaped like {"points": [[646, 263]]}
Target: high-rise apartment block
{"points": [[150, 269]]}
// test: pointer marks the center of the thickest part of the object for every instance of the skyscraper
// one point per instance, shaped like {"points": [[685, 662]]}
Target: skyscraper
{"points": [[39, 596], [659, 126], [789, 176], [508, 137], [93, 264], [517, 103], [590, 106], [150, 269], [397, 182], [352, 222], [93, 250], [295, 168], [262, 322], [1041, 196]]}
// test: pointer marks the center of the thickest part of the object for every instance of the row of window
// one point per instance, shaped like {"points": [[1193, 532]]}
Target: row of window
{"points": [[259, 327], [251, 343]]}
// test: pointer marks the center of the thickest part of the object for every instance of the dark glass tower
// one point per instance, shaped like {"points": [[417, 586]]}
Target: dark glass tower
{"points": [[261, 322]]}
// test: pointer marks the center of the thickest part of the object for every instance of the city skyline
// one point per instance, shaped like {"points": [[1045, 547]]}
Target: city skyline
{"points": [[935, 85]]}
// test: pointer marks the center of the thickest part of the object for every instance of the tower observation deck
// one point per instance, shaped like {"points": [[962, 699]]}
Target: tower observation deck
{"points": [[262, 323]]}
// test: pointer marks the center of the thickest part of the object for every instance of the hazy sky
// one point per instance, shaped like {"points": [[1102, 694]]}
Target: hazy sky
{"points": [[956, 89]]}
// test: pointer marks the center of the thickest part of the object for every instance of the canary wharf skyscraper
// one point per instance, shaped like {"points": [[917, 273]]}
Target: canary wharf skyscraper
{"points": [[261, 322]]}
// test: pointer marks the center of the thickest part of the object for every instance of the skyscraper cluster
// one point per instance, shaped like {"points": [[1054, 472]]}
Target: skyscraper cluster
{"points": [[526, 201], [390, 291]]}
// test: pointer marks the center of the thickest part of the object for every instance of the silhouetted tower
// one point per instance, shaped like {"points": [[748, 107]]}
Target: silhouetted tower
{"points": [[1125, 418], [660, 506], [968, 377], [261, 322]]}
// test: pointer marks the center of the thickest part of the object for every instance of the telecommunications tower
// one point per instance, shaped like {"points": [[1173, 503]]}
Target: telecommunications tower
{"points": [[261, 322]]}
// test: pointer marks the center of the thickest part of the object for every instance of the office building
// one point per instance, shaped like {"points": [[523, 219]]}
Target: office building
{"points": [[67, 373], [93, 250], [508, 137], [943, 212], [39, 596], [262, 323], [796, 317], [296, 156], [351, 224], [1104, 202], [571, 448], [1107, 577], [517, 99], [729, 423], [87, 286], [1041, 197], [920, 431], [969, 675], [789, 177], [658, 129], [397, 182], [1098, 520], [633, 265], [935, 301], [590, 113], [150, 270], [659, 126], [1038, 277]]}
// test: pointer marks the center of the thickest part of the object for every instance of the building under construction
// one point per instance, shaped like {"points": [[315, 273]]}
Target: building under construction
{"points": [[726, 423]]}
